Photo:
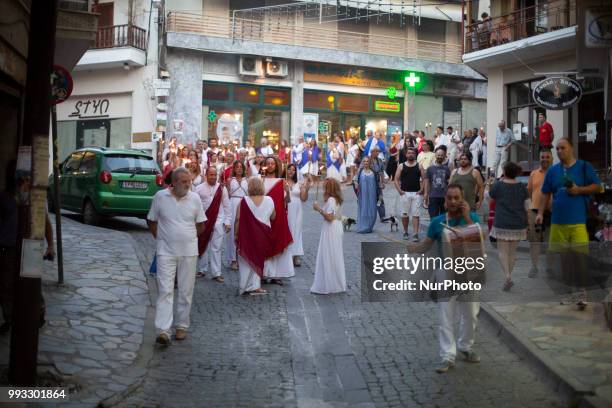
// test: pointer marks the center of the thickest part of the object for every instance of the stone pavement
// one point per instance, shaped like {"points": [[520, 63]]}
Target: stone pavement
{"points": [[295, 349], [575, 347], [95, 321]]}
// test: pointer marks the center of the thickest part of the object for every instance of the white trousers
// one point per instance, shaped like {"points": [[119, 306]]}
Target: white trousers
{"points": [[184, 268], [249, 279], [501, 157], [212, 254], [466, 313]]}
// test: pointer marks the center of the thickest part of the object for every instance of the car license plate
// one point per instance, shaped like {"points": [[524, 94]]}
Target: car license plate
{"points": [[135, 185]]}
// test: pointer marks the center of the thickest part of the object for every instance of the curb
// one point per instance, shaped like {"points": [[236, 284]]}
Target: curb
{"points": [[573, 391]]}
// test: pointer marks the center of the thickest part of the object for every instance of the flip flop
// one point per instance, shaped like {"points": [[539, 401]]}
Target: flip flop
{"points": [[219, 279], [200, 274], [258, 292]]}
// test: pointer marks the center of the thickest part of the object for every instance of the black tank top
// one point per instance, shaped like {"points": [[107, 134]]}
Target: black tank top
{"points": [[410, 178]]}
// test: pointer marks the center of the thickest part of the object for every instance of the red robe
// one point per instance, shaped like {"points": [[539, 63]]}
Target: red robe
{"points": [[280, 224], [211, 219], [253, 250]]}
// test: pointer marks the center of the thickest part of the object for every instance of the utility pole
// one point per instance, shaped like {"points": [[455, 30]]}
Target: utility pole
{"points": [[27, 296]]}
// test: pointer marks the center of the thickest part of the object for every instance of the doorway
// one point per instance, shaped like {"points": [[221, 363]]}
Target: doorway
{"points": [[93, 133]]}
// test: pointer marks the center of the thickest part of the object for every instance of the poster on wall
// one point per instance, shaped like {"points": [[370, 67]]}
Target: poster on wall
{"points": [[393, 126], [311, 124], [229, 129], [517, 129], [591, 133]]}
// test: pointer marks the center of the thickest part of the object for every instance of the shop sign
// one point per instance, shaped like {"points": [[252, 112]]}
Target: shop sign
{"points": [[324, 127], [384, 106], [598, 32], [557, 93], [161, 83], [354, 76], [91, 108], [95, 107]]}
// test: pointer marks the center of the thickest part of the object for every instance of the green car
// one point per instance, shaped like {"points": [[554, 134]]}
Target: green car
{"points": [[98, 181]]}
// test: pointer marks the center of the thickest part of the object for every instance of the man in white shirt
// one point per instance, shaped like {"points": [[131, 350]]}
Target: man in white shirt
{"points": [[175, 219], [266, 148], [219, 214], [441, 139]]}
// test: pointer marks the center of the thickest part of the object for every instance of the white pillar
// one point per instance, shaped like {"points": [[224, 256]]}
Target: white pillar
{"points": [[297, 102], [409, 109]]}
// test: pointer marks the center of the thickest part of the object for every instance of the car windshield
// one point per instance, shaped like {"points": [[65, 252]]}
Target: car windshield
{"points": [[129, 163]]}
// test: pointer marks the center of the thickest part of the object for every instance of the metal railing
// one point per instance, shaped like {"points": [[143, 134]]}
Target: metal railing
{"points": [[519, 24], [311, 35], [125, 35]]}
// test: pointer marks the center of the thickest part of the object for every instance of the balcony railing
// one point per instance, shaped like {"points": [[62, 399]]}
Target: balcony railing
{"points": [[316, 36], [522, 23], [125, 35]]}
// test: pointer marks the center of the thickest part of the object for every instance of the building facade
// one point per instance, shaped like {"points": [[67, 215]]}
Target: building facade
{"points": [[244, 70], [524, 43]]}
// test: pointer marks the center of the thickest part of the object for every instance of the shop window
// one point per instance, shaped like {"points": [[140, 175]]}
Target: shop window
{"points": [[66, 138], [318, 100], [519, 94], [271, 124], [246, 94], [276, 97], [216, 92], [121, 133], [353, 103]]}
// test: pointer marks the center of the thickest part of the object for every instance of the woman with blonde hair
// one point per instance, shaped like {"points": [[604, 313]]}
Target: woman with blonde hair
{"points": [[330, 276]]}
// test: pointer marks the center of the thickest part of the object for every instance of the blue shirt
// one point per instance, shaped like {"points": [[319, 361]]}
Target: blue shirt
{"points": [[435, 226], [567, 208]]}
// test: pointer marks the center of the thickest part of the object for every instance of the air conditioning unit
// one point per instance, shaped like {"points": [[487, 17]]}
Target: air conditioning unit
{"points": [[250, 66], [277, 68]]}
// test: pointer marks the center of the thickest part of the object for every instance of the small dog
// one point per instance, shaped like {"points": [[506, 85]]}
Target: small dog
{"points": [[393, 221], [347, 222]]}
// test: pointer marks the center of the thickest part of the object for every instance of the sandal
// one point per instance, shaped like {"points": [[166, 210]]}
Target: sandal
{"points": [[278, 282], [258, 292], [234, 266], [200, 274], [219, 279]]}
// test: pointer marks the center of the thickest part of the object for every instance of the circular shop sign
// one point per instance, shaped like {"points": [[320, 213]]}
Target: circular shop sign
{"points": [[61, 84], [557, 93]]}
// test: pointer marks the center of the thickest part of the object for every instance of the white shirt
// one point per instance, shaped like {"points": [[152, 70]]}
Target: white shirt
{"points": [[443, 140], [176, 222], [267, 151], [206, 193], [297, 150], [475, 149]]}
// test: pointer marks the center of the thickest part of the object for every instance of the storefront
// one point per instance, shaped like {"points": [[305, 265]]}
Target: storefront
{"points": [[351, 115], [241, 112], [100, 120]]}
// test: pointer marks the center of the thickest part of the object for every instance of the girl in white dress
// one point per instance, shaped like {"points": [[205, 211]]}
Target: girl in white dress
{"points": [[353, 152], [334, 156], [262, 208], [237, 188], [330, 276], [299, 194]]}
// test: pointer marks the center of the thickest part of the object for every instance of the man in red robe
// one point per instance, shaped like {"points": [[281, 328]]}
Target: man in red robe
{"points": [[216, 204], [279, 262]]}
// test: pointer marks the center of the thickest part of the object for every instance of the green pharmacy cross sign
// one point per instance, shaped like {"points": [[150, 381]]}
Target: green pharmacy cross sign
{"points": [[412, 79], [391, 92], [212, 116]]}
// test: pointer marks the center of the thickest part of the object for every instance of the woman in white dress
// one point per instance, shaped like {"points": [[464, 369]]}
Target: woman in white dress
{"points": [[262, 209], [334, 166], [330, 276], [353, 153], [299, 194], [237, 188]]}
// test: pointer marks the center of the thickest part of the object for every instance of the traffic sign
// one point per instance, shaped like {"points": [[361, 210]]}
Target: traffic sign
{"points": [[61, 84]]}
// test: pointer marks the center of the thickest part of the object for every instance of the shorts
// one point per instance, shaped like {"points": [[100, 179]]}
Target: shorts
{"points": [[410, 204], [569, 236]]}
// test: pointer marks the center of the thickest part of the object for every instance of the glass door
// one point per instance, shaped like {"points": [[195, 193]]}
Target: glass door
{"points": [[351, 127], [93, 133]]}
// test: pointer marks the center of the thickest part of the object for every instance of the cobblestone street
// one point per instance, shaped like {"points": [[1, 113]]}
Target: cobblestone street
{"points": [[292, 348]]}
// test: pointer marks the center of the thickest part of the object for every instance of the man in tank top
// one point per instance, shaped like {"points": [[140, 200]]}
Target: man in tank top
{"points": [[470, 180], [409, 185]]}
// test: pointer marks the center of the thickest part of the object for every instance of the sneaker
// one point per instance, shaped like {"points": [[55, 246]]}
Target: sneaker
{"points": [[444, 366], [415, 238], [533, 272], [181, 334], [163, 339], [470, 356], [406, 236]]}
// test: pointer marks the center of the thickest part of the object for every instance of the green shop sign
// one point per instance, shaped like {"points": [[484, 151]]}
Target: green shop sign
{"points": [[384, 106]]}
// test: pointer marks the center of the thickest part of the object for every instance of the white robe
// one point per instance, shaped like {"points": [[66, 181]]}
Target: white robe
{"points": [[236, 192], [330, 276], [249, 280], [281, 265], [295, 216], [212, 254]]}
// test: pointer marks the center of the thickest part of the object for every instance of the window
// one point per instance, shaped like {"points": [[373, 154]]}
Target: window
{"points": [[276, 97], [216, 92], [246, 94], [353, 103], [519, 94], [72, 164], [318, 100], [88, 164], [128, 163]]}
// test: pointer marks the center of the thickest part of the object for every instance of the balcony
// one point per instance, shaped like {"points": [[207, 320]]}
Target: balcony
{"points": [[76, 31], [520, 24], [116, 46], [293, 40]]}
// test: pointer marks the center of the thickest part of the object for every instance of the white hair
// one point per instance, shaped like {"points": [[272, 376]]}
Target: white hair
{"points": [[177, 172]]}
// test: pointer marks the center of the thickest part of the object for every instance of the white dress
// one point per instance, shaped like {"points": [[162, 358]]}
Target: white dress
{"points": [[236, 192], [352, 155], [330, 276], [249, 280], [294, 210], [332, 171], [281, 265]]}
